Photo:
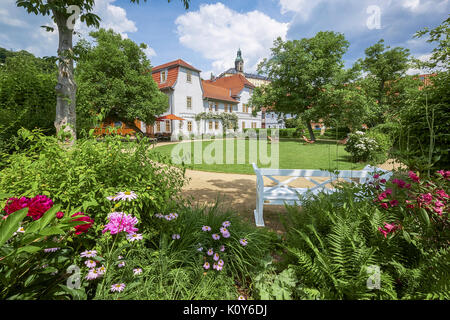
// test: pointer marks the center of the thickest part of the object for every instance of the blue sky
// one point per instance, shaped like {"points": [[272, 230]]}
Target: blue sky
{"points": [[210, 32]]}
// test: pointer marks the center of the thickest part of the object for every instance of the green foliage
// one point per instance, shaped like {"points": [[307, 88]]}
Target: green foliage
{"points": [[334, 240], [27, 96], [114, 81], [424, 139], [91, 171], [300, 70]]}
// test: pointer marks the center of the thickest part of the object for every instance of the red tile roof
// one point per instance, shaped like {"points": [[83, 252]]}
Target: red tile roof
{"points": [[212, 91], [235, 82], [175, 63], [172, 76]]}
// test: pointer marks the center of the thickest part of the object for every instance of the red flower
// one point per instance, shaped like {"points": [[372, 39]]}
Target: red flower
{"points": [[15, 204], [384, 205], [59, 215], [38, 206], [82, 228]]}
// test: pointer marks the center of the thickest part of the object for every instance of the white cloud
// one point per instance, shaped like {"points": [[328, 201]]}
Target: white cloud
{"points": [[216, 32], [150, 52], [21, 30], [302, 7]]}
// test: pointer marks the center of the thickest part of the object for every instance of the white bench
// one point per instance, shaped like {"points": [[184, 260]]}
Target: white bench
{"points": [[282, 193]]}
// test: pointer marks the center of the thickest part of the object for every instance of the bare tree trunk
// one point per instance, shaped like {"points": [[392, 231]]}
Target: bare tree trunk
{"points": [[310, 130], [66, 88]]}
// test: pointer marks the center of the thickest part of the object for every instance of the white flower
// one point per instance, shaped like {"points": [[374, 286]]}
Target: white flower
{"points": [[134, 236], [137, 271]]}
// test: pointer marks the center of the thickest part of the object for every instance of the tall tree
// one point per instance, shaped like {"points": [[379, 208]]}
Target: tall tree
{"points": [[384, 65], [115, 82], [300, 71], [62, 13]]}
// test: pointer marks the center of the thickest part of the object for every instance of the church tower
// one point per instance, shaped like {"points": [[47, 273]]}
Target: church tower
{"points": [[239, 62]]}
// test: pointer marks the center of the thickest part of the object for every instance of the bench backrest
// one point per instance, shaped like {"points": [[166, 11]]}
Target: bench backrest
{"points": [[364, 175]]}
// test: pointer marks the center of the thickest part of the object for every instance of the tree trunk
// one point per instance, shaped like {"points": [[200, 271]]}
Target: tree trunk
{"points": [[310, 130], [66, 88]]}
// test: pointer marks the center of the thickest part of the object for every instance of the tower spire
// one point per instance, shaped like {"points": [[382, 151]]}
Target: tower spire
{"points": [[239, 62]]}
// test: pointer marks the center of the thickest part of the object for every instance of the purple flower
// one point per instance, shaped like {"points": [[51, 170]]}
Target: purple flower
{"points": [[119, 221], [226, 224], [206, 266], [118, 287], [216, 257], [88, 253], [215, 236], [226, 234], [206, 228], [90, 263], [210, 252], [51, 249], [175, 236], [243, 242], [222, 248]]}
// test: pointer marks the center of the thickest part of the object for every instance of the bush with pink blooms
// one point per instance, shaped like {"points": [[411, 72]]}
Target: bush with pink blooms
{"points": [[418, 207], [36, 238]]}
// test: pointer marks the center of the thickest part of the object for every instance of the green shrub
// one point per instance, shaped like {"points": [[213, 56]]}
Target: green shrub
{"points": [[368, 147], [91, 171], [334, 241]]}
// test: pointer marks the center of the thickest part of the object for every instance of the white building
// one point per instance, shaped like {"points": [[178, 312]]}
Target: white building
{"points": [[189, 96]]}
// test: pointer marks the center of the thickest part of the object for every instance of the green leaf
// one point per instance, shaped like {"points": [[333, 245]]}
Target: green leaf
{"points": [[425, 217], [11, 224], [29, 249], [51, 231]]}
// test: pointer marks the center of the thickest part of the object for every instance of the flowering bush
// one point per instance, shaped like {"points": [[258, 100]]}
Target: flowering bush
{"points": [[88, 173], [35, 250], [364, 147], [419, 206]]}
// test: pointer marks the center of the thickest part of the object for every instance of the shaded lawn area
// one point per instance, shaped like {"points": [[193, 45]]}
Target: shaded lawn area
{"points": [[293, 154]]}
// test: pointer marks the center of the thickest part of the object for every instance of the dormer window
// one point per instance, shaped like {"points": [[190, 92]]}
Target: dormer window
{"points": [[164, 76]]}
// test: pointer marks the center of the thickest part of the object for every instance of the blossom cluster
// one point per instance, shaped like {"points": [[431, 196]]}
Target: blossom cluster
{"points": [[37, 206], [217, 262], [119, 221], [168, 217], [414, 192]]}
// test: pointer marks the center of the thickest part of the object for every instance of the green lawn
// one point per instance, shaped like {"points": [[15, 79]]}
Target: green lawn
{"points": [[293, 154]]}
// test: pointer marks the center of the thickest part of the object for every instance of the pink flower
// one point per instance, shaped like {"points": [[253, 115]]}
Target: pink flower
{"points": [[119, 221], [444, 174], [388, 228], [215, 236], [384, 205], [409, 204], [376, 176], [438, 204], [399, 182], [413, 176], [393, 202], [59, 215], [206, 266], [383, 181], [426, 198], [388, 191], [442, 194], [382, 196], [226, 234], [438, 210], [243, 242], [216, 257]]}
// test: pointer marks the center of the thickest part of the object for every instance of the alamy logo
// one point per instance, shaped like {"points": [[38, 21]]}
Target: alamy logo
{"points": [[374, 20], [76, 12], [374, 280], [74, 281], [231, 150]]}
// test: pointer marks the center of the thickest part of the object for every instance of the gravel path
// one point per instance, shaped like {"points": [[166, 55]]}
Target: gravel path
{"points": [[238, 192]]}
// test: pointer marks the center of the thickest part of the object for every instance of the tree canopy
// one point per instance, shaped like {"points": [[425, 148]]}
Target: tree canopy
{"points": [[115, 81]]}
